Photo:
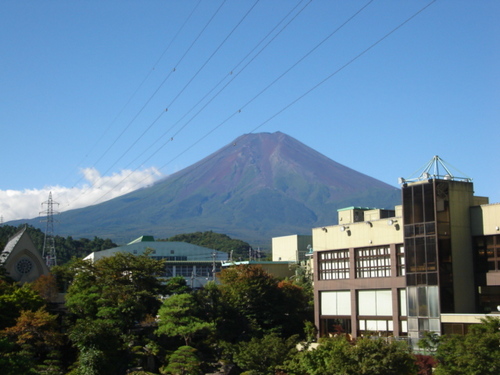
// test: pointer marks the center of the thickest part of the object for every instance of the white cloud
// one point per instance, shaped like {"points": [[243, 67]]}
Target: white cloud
{"points": [[26, 204]]}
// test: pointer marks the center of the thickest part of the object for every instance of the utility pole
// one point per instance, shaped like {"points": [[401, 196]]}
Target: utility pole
{"points": [[49, 249], [213, 265]]}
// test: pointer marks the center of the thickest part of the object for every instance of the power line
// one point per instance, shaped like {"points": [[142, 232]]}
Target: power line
{"points": [[206, 104], [308, 91], [135, 92], [155, 92]]}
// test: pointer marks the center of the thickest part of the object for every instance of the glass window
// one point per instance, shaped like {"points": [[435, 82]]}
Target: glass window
{"points": [[433, 298], [373, 262], [418, 204], [420, 254], [402, 302], [375, 302], [493, 252], [423, 308], [430, 248], [367, 303], [412, 301], [408, 205], [404, 326], [335, 303], [412, 324], [333, 265], [428, 202], [400, 249], [423, 324]]}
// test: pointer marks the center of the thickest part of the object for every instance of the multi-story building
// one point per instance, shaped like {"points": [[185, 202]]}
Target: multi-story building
{"points": [[431, 264]]}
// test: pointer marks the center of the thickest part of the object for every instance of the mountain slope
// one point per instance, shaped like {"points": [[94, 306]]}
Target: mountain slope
{"points": [[259, 186]]}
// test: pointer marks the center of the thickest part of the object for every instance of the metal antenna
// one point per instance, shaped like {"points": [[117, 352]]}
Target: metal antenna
{"points": [[49, 248], [432, 171]]}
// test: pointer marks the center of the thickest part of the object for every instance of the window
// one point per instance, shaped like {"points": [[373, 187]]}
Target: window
{"points": [[336, 303], [375, 302], [204, 271], [493, 252], [370, 327], [400, 251], [333, 265], [373, 262], [186, 271]]}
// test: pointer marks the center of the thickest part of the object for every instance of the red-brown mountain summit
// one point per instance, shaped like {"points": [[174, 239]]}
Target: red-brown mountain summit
{"points": [[258, 186]]}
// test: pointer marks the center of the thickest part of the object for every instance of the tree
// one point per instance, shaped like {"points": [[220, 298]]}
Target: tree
{"points": [[108, 300], [176, 285], [476, 353], [179, 316], [262, 303], [264, 355], [183, 361], [123, 288], [36, 334], [101, 348], [366, 356], [15, 299], [46, 286]]}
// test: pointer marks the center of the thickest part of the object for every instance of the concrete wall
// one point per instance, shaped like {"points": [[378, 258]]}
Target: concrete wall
{"points": [[290, 248]]}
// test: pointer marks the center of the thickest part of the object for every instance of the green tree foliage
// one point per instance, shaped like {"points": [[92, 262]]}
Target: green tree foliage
{"points": [[216, 241], [176, 285], [261, 303], [264, 356], [37, 336], [183, 361], [478, 353], [337, 356], [14, 299], [123, 288], [108, 300], [66, 248], [101, 348], [180, 316], [13, 360], [46, 286]]}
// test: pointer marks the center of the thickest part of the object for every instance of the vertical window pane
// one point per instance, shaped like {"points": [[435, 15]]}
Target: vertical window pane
{"points": [[433, 297], [402, 302], [384, 302], [423, 309], [418, 209], [412, 301], [367, 302]]}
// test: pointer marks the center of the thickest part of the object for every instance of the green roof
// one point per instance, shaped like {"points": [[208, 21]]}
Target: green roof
{"points": [[143, 239]]}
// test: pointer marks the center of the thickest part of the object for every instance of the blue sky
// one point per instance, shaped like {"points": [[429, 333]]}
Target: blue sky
{"points": [[101, 97]]}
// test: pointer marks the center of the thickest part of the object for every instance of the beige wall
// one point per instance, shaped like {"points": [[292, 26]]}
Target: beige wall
{"points": [[361, 234], [485, 220], [290, 248]]}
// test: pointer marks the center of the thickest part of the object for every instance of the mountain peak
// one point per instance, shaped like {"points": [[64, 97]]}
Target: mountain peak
{"points": [[257, 187]]}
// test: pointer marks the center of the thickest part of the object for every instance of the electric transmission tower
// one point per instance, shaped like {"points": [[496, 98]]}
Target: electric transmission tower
{"points": [[49, 249]]}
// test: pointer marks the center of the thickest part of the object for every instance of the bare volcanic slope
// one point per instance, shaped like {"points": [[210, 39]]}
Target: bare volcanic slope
{"points": [[258, 186]]}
